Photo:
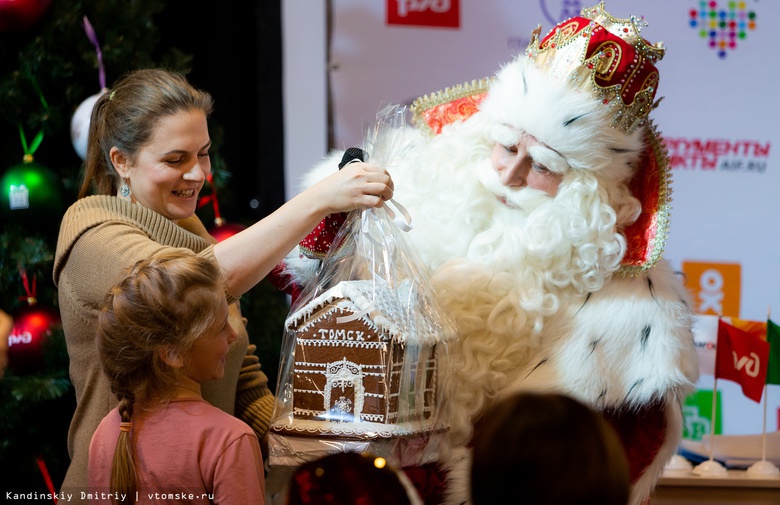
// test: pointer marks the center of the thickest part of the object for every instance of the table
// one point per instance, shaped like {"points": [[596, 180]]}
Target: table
{"points": [[735, 488]]}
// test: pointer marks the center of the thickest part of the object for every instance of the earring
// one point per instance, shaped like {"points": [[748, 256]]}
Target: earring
{"points": [[124, 189]]}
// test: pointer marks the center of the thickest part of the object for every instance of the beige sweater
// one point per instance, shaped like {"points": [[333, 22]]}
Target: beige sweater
{"points": [[99, 237]]}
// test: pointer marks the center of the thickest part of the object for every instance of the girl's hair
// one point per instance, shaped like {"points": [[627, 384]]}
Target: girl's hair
{"points": [[547, 449], [126, 117], [158, 310]]}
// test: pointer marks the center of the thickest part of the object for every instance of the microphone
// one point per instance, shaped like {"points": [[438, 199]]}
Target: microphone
{"points": [[350, 155]]}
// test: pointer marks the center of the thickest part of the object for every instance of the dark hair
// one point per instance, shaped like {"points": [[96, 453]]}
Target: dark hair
{"points": [[547, 449], [162, 306], [347, 478], [126, 116]]}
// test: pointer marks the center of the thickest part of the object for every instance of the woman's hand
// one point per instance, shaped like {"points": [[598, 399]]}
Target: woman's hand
{"points": [[249, 255], [354, 186]]}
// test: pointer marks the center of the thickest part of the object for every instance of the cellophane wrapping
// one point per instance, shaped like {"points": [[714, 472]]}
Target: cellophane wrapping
{"points": [[364, 356]]}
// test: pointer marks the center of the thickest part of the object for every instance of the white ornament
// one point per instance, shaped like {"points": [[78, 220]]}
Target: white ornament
{"points": [[79, 124]]}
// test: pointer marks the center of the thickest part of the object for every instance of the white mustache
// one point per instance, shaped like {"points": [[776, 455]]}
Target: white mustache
{"points": [[524, 198]]}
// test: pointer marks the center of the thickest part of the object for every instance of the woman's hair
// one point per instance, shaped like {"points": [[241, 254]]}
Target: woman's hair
{"points": [[158, 310], [547, 449], [350, 478], [126, 116]]}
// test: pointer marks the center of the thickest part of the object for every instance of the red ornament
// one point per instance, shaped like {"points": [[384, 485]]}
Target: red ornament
{"points": [[221, 229], [19, 15], [32, 325], [224, 230]]}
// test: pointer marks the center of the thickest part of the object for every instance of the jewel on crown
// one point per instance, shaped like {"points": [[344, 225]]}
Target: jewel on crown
{"points": [[606, 57]]}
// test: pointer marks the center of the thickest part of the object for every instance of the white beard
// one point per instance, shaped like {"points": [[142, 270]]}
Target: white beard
{"points": [[500, 269], [512, 208]]}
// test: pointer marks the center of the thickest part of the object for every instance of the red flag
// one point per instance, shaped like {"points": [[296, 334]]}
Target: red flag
{"points": [[742, 357]]}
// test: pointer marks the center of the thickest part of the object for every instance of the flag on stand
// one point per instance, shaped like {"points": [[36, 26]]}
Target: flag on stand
{"points": [[742, 357], [773, 364]]}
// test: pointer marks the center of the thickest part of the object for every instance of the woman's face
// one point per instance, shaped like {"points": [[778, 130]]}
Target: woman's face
{"points": [[169, 172]]}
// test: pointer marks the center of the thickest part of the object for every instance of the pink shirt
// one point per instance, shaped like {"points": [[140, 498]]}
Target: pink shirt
{"points": [[187, 452]]}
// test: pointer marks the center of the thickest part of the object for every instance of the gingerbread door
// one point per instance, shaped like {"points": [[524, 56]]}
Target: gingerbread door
{"points": [[344, 391]]}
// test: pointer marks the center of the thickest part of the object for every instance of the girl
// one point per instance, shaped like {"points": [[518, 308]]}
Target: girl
{"points": [[162, 333]]}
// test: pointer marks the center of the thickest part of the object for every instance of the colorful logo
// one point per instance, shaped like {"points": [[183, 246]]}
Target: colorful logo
{"points": [[697, 415], [715, 287], [434, 13], [722, 27]]}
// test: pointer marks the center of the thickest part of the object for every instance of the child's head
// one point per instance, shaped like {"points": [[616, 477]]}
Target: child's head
{"points": [[547, 449], [350, 478], [156, 323]]}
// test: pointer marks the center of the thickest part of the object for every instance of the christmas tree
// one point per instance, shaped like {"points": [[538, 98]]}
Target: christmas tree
{"points": [[54, 58]]}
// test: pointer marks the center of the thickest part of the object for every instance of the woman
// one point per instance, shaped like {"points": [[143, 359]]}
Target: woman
{"points": [[147, 160]]}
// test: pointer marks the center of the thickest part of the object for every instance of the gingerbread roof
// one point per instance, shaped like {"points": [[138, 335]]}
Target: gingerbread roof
{"points": [[399, 312]]}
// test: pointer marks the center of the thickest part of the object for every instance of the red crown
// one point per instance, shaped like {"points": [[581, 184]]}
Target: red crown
{"points": [[604, 56]]}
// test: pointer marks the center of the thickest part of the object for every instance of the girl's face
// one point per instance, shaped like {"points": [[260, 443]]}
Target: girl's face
{"points": [[205, 360], [169, 172]]}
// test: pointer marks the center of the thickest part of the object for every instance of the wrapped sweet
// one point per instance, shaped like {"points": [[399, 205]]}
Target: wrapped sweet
{"points": [[364, 357]]}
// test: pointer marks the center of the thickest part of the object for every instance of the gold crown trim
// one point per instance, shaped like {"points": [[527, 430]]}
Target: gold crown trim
{"points": [[421, 105], [663, 212], [654, 52]]}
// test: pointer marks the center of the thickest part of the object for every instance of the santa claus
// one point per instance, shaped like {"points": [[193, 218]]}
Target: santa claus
{"points": [[540, 202]]}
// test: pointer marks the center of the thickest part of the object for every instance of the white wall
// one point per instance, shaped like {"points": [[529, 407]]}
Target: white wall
{"points": [[304, 52]]}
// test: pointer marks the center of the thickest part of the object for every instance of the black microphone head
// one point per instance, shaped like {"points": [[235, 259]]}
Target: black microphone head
{"points": [[352, 154]]}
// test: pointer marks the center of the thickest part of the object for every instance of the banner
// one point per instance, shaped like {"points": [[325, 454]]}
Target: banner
{"points": [[716, 118]]}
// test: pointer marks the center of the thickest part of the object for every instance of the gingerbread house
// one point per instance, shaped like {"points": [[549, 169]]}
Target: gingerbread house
{"points": [[365, 362]]}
